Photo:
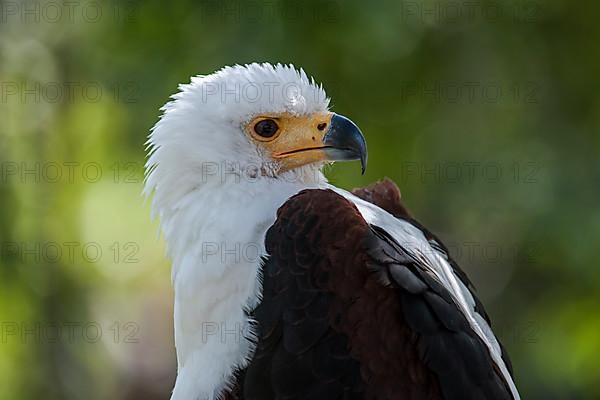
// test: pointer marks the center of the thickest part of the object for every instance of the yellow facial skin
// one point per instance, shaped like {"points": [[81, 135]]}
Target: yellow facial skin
{"points": [[298, 140]]}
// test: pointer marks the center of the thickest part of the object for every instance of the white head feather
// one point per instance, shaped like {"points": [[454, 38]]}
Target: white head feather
{"points": [[203, 124]]}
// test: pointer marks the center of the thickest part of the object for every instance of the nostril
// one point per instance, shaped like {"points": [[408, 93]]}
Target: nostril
{"points": [[322, 126]]}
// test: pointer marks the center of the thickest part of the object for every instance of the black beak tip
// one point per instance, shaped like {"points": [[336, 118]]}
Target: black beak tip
{"points": [[364, 158], [345, 136]]}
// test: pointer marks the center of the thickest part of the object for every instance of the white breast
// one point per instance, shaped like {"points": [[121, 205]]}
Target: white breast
{"points": [[217, 243]]}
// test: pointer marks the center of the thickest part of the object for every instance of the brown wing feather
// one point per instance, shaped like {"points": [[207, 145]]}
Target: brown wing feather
{"points": [[348, 314], [353, 341]]}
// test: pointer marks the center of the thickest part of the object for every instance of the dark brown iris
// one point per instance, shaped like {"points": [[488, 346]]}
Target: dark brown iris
{"points": [[266, 128]]}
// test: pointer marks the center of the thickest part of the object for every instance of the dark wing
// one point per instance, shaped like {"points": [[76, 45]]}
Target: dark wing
{"points": [[386, 195], [347, 314]]}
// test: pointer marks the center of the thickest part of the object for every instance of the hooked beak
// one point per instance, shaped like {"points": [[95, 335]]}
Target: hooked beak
{"points": [[345, 142]]}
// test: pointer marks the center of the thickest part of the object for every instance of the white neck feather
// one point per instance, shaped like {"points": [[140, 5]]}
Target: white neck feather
{"points": [[216, 258]]}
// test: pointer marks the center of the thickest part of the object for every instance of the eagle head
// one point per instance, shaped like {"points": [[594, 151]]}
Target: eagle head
{"points": [[257, 121]]}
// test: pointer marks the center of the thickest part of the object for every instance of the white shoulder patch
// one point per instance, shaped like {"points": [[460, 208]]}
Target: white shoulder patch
{"points": [[413, 240]]}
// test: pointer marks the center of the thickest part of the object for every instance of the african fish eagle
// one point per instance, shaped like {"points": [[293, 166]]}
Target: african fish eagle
{"points": [[287, 287]]}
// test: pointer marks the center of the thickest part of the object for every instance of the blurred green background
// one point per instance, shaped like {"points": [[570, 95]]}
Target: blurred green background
{"points": [[485, 113]]}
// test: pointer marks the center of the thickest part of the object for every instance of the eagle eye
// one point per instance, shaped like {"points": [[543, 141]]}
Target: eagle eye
{"points": [[266, 128]]}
